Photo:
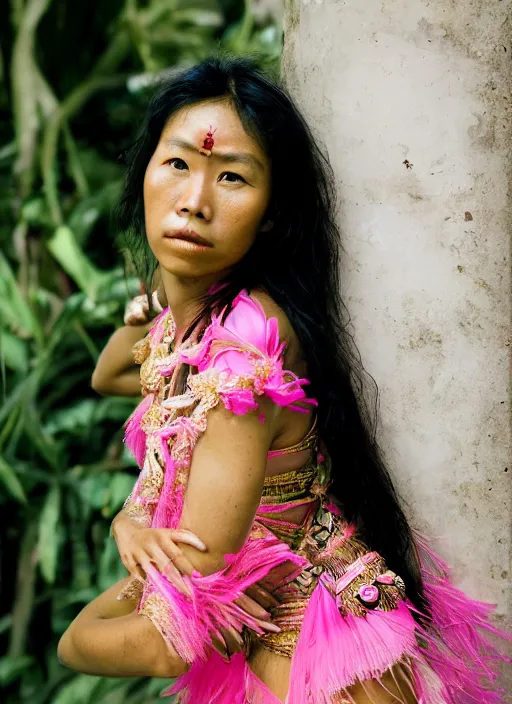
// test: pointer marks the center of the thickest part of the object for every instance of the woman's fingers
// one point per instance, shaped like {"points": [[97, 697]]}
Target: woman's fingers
{"points": [[168, 568], [159, 557], [219, 645], [175, 554], [175, 578], [233, 640], [131, 565], [262, 596], [227, 644], [138, 573], [259, 614], [185, 536], [252, 608]]}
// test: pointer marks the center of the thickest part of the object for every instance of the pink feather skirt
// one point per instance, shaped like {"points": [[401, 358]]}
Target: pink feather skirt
{"points": [[449, 657]]}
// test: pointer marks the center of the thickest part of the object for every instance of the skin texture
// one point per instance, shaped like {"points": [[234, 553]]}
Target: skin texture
{"points": [[223, 198]]}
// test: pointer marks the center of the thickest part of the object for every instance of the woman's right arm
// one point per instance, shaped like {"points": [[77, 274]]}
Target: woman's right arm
{"points": [[116, 373]]}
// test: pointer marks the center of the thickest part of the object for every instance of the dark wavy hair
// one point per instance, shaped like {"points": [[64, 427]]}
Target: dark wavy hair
{"points": [[298, 264]]}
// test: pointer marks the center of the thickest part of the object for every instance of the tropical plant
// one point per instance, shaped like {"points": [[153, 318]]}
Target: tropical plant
{"points": [[76, 79]]}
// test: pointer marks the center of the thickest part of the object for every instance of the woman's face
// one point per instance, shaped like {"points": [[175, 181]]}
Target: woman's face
{"points": [[203, 212]]}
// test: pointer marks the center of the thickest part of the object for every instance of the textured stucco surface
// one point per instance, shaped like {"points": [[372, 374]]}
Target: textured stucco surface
{"points": [[427, 269]]}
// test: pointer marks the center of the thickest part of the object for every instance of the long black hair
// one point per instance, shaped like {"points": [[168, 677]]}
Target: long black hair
{"points": [[298, 264]]}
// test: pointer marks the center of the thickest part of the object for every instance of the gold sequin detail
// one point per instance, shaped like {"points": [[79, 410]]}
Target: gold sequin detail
{"points": [[137, 512], [156, 609], [151, 379], [133, 590], [153, 419], [141, 350], [152, 474], [289, 486]]}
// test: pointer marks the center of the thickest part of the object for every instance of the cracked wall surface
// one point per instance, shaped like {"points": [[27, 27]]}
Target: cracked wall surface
{"points": [[412, 100]]}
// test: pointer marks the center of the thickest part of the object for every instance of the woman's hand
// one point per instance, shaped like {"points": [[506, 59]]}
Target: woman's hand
{"points": [[140, 546], [137, 311]]}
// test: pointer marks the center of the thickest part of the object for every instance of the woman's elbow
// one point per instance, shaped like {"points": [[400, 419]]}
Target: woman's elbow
{"points": [[66, 652], [169, 667], [100, 385], [97, 384]]}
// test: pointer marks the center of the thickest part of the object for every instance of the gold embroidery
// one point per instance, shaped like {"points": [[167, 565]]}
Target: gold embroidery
{"points": [[156, 609], [141, 350], [152, 474], [137, 512], [151, 379], [133, 590], [289, 486], [153, 419]]}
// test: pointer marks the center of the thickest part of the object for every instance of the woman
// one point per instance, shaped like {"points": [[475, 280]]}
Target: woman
{"points": [[251, 440]]}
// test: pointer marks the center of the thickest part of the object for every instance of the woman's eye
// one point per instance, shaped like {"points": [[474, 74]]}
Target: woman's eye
{"points": [[177, 164], [231, 177]]}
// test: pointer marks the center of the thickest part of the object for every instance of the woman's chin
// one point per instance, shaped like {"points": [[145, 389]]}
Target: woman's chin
{"points": [[186, 267]]}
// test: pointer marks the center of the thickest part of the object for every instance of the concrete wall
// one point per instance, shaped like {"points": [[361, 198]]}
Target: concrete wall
{"points": [[427, 271]]}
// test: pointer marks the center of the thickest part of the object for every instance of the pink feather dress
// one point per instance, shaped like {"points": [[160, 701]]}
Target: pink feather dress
{"points": [[344, 616]]}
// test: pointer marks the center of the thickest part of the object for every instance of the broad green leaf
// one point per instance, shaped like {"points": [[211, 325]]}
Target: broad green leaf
{"points": [[49, 538], [42, 440], [116, 408], [14, 310], [75, 262], [90, 209], [110, 568], [95, 490], [79, 691], [72, 419], [199, 17], [69, 313], [12, 667], [113, 691], [35, 212], [13, 351], [121, 485], [11, 482]]}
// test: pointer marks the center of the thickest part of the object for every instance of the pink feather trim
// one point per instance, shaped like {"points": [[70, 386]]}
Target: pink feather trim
{"points": [[334, 652], [458, 638], [134, 436], [214, 681], [190, 622]]}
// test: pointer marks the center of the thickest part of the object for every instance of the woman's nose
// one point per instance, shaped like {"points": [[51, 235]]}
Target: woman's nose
{"points": [[195, 200]]}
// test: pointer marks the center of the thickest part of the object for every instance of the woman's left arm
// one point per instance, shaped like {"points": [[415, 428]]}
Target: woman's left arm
{"points": [[108, 638], [223, 493], [226, 480]]}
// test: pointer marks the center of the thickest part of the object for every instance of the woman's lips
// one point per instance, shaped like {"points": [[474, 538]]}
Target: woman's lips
{"points": [[189, 237]]}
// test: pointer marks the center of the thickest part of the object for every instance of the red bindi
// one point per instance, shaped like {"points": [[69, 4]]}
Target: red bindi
{"points": [[208, 142]]}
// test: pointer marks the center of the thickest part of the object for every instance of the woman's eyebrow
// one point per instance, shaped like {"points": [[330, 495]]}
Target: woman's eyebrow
{"points": [[228, 158]]}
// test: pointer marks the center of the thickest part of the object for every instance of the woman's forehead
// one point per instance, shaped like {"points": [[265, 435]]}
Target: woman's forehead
{"points": [[217, 118]]}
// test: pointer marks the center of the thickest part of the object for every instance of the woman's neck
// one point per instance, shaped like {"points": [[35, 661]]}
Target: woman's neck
{"points": [[184, 296]]}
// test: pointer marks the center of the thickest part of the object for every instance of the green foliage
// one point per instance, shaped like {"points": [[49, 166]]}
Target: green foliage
{"points": [[77, 77]]}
